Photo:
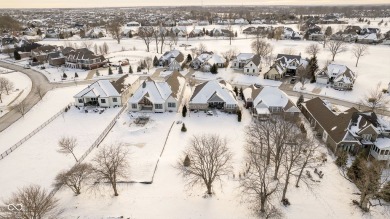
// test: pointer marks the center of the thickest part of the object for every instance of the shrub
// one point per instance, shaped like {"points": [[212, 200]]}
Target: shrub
{"points": [[64, 76], [110, 71], [183, 128], [17, 55], [342, 158], [76, 75], [187, 161]]}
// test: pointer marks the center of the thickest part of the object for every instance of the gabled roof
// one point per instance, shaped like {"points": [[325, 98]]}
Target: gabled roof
{"points": [[100, 88], [206, 90], [336, 125], [177, 82]]}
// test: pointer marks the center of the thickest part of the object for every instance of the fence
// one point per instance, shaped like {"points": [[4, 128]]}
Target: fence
{"points": [[95, 144], [15, 146]]}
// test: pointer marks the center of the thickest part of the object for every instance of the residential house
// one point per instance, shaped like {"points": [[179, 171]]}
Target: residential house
{"points": [[249, 62], [101, 93], [82, 58], [56, 58], [159, 96], [330, 124], [266, 101], [39, 54], [206, 60], [214, 94], [285, 65], [172, 59], [340, 77], [196, 33]]}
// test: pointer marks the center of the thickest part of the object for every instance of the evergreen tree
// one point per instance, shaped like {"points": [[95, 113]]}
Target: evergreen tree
{"points": [[183, 128], [214, 69], [187, 161], [235, 34], [130, 70], [76, 75], [328, 31], [184, 111], [241, 93], [313, 67], [239, 115], [139, 69], [356, 170], [64, 75], [17, 55], [189, 58], [300, 101], [97, 73], [342, 158], [155, 61], [235, 90], [130, 34], [109, 71], [120, 70]]}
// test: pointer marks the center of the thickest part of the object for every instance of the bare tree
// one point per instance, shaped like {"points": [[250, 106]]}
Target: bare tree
{"points": [[257, 184], [34, 201], [2, 89], [358, 51], [202, 48], [6, 84], [110, 163], [230, 32], [95, 49], [75, 177], [210, 159], [40, 91], [229, 55], [308, 158], [171, 39], [67, 145], [304, 75], [376, 99], [156, 36], [313, 49], [193, 52], [21, 108], [149, 63], [163, 36], [336, 47], [261, 47], [146, 34], [115, 29]]}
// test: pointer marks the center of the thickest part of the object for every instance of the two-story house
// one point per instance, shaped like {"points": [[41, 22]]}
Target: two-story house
{"points": [[248, 62], [340, 77], [82, 58]]}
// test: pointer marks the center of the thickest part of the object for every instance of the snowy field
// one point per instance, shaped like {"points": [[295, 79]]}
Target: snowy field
{"points": [[331, 198], [37, 161], [52, 103], [22, 87]]}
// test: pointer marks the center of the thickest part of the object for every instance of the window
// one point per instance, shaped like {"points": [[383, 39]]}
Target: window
{"points": [[366, 137], [387, 152], [158, 106], [251, 64], [253, 70], [134, 105], [247, 70], [382, 152], [102, 101], [114, 99], [81, 101], [172, 105]]}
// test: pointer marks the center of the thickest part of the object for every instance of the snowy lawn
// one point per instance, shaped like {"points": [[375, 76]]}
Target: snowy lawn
{"points": [[331, 198], [37, 160], [52, 103], [22, 87]]}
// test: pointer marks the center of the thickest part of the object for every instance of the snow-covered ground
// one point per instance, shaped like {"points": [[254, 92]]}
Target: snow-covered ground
{"points": [[331, 198], [22, 87], [52, 102], [37, 161]]}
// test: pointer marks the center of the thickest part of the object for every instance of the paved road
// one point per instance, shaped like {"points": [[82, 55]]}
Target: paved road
{"points": [[39, 81]]}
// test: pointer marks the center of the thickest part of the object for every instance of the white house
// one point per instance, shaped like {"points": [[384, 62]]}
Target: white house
{"points": [[205, 60], [340, 77], [249, 62], [106, 93], [158, 96], [174, 56], [214, 94], [264, 101]]}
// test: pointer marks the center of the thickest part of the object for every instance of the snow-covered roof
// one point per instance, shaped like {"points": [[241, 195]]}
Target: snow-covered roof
{"points": [[382, 143], [156, 92], [206, 90], [101, 88], [244, 56]]}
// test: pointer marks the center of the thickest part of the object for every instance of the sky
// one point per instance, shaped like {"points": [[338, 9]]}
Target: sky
{"points": [[130, 3]]}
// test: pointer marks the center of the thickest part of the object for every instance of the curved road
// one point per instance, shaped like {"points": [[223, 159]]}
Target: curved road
{"points": [[38, 80]]}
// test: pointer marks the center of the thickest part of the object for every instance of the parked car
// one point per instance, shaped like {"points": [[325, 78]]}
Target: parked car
{"points": [[43, 67], [27, 66], [210, 113]]}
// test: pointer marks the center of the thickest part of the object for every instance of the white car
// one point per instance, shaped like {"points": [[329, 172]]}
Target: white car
{"points": [[27, 66], [210, 113]]}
